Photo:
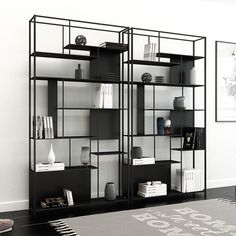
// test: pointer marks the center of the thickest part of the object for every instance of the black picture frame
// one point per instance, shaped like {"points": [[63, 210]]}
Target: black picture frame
{"points": [[224, 51]]}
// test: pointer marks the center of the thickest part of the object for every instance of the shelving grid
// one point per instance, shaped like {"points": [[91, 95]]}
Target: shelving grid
{"points": [[123, 116]]}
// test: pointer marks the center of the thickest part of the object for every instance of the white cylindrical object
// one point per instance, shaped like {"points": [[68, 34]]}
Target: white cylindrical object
{"points": [[193, 76]]}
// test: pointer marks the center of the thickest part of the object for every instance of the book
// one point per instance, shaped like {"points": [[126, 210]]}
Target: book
{"points": [[192, 180], [112, 45], [45, 127], [42, 167], [107, 91], [189, 138], [68, 196], [200, 139], [51, 127], [141, 161], [150, 51]]}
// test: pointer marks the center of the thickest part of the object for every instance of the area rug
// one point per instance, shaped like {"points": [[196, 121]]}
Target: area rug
{"points": [[206, 217]]}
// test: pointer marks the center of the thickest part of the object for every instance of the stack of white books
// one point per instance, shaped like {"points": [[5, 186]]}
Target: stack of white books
{"points": [[150, 51], [43, 167], [192, 180], [104, 96], [141, 161], [152, 189]]}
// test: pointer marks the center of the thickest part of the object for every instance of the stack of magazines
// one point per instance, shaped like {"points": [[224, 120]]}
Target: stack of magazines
{"points": [[152, 189]]}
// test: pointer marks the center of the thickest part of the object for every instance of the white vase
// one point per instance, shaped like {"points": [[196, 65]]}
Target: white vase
{"points": [[51, 156], [193, 77]]}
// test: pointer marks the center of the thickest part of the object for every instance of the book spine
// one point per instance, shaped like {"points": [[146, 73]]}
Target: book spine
{"points": [[51, 127], [45, 127]]}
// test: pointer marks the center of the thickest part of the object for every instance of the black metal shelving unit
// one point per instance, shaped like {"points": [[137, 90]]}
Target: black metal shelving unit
{"points": [[178, 78], [76, 178], [118, 122]]}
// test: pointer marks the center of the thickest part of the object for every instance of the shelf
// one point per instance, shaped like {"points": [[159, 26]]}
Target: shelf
{"points": [[108, 153], [159, 109], [158, 163], [167, 84], [184, 57], [67, 169], [186, 150], [66, 79], [93, 48], [65, 137], [91, 203], [152, 63], [149, 135], [63, 56], [87, 108], [171, 193]]}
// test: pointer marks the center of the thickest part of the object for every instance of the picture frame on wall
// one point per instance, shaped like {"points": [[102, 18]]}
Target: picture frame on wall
{"points": [[225, 81]]}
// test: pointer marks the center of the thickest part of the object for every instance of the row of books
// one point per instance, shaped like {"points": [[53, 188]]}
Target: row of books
{"points": [[141, 161], [150, 51], [68, 197], [104, 96], [194, 138], [44, 167], [50, 202], [44, 127], [152, 189], [192, 180]]}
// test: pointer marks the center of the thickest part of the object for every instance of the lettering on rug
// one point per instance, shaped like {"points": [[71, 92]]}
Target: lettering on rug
{"points": [[185, 222]]}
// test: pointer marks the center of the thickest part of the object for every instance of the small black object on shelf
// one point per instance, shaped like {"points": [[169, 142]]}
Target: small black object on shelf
{"points": [[80, 40], [146, 77], [112, 45]]}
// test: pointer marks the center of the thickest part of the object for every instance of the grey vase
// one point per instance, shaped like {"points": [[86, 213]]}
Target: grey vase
{"points": [[110, 191]]}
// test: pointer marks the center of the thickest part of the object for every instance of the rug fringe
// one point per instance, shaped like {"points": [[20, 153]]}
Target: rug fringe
{"points": [[62, 228], [226, 201]]}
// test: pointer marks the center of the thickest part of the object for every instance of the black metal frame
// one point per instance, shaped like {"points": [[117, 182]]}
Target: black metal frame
{"points": [[216, 80], [33, 78], [126, 82], [131, 62]]}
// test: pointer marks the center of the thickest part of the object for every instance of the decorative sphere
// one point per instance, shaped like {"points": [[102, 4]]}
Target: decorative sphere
{"points": [[80, 40], [146, 78]]}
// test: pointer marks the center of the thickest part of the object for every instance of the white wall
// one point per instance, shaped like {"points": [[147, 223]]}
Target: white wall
{"points": [[213, 19]]}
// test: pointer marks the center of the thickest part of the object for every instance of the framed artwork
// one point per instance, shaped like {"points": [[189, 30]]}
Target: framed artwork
{"points": [[225, 73]]}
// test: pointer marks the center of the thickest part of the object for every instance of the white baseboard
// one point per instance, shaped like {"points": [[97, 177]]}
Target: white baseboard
{"points": [[14, 205], [221, 183]]}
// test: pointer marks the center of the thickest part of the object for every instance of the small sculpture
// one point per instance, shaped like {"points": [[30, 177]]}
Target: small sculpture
{"points": [[80, 40], [51, 156], [146, 77]]}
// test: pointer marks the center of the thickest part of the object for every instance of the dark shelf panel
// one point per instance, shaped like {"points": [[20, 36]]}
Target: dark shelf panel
{"points": [[63, 56], [107, 153], [66, 79], [167, 84], [186, 150], [94, 48], [152, 63], [184, 57], [93, 202]]}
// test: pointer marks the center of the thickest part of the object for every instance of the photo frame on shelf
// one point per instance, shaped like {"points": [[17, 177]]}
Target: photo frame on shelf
{"points": [[225, 81]]}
